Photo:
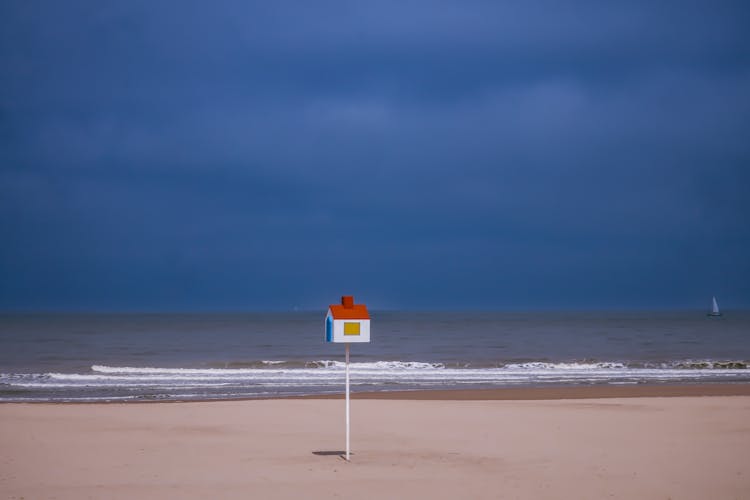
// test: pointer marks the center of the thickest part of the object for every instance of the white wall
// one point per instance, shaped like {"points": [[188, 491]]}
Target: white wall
{"points": [[338, 331]]}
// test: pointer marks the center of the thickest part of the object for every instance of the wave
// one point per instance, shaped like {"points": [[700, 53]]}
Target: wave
{"points": [[276, 365], [279, 377], [272, 365], [721, 365], [564, 366]]}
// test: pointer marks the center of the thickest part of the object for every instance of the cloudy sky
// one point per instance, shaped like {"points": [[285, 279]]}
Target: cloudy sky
{"points": [[418, 154]]}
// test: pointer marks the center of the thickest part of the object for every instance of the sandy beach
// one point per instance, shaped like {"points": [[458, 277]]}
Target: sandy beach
{"points": [[683, 447]]}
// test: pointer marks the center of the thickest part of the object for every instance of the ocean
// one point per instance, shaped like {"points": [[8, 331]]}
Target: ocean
{"points": [[140, 357]]}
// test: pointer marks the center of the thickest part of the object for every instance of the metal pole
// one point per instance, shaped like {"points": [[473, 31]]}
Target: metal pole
{"points": [[347, 401]]}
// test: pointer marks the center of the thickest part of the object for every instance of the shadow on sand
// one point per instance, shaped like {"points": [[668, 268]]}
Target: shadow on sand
{"points": [[340, 454]]}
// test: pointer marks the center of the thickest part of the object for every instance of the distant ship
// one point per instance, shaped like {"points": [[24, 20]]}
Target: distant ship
{"points": [[714, 309]]}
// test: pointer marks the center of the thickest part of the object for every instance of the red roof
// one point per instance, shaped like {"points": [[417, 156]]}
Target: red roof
{"points": [[357, 311], [348, 309]]}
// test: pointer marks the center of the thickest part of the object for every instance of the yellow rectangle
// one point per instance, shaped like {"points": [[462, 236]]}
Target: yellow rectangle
{"points": [[351, 328]]}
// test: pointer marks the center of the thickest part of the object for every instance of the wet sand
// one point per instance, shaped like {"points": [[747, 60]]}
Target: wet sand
{"points": [[557, 392]]}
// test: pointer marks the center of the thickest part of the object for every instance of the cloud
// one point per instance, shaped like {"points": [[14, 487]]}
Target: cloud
{"points": [[496, 145]]}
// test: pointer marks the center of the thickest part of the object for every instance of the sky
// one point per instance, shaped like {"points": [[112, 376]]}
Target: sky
{"points": [[417, 154]]}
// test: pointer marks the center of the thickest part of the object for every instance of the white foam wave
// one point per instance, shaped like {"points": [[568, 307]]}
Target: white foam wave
{"points": [[276, 366], [327, 375], [565, 366], [368, 373], [376, 365], [320, 364]]}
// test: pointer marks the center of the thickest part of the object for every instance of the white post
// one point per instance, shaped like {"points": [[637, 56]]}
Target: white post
{"points": [[347, 401]]}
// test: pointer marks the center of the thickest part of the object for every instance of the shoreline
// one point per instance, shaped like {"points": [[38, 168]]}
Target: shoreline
{"points": [[531, 393], [554, 393]]}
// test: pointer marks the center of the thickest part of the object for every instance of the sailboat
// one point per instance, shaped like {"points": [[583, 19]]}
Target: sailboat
{"points": [[714, 309]]}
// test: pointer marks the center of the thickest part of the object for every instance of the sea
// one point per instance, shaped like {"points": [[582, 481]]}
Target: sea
{"points": [[202, 356]]}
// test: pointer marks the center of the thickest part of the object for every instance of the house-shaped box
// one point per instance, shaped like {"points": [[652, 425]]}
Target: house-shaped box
{"points": [[347, 322]]}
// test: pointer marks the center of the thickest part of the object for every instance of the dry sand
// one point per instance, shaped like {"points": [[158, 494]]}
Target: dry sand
{"points": [[642, 447]]}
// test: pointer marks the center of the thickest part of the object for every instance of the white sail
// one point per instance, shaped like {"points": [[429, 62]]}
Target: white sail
{"points": [[715, 309]]}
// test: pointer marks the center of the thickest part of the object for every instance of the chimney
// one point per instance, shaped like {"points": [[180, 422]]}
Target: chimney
{"points": [[347, 301]]}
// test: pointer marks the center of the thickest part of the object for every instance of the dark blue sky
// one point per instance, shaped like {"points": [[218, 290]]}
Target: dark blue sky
{"points": [[418, 154]]}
